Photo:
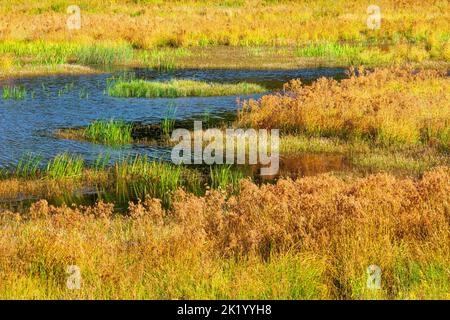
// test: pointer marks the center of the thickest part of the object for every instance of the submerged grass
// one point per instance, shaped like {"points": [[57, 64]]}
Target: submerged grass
{"points": [[179, 88]]}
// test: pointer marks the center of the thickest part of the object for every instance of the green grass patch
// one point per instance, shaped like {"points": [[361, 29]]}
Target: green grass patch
{"points": [[14, 92], [329, 50], [104, 54], [225, 177], [168, 123], [179, 88], [114, 132], [65, 166], [145, 178]]}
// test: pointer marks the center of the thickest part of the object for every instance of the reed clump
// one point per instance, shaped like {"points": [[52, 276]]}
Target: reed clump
{"points": [[179, 88], [113, 132], [386, 107], [14, 92], [312, 238]]}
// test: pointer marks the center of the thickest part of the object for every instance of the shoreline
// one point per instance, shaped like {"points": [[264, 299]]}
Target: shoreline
{"points": [[214, 57]]}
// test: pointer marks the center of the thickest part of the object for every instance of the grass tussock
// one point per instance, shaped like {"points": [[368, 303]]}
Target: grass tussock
{"points": [[312, 238], [179, 88], [113, 132], [385, 107]]}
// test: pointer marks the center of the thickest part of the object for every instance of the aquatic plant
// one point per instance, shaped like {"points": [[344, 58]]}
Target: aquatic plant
{"points": [[168, 123], [112, 132], [83, 94], [153, 178], [29, 166], [179, 88], [101, 162], [14, 92]]}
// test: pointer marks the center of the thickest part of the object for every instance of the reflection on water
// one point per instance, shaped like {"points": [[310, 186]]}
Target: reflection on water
{"points": [[307, 164]]}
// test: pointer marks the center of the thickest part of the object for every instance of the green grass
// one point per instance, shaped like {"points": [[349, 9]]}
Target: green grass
{"points": [[225, 177], [65, 166], [164, 59], [113, 132], [179, 88], [104, 55], [168, 123], [48, 53], [145, 178], [40, 52], [28, 166], [14, 92], [329, 50]]}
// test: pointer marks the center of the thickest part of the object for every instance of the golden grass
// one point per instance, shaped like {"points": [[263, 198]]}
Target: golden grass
{"points": [[411, 31], [309, 238], [387, 107], [248, 22], [29, 71], [365, 157]]}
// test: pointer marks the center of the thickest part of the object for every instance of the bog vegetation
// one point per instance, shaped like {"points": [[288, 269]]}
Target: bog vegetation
{"points": [[312, 238], [385, 107], [411, 31]]}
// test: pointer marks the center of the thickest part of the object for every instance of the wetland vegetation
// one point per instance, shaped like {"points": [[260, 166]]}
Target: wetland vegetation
{"points": [[85, 176], [180, 88]]}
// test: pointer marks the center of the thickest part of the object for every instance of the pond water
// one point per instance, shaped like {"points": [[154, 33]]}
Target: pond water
{"points": [[53, 102]]}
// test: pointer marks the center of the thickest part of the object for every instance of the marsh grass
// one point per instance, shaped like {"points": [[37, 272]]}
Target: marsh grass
{"points": [[312, 238], [65, 166], [213, 23], [168, 123], [409, 108], [330, 50], [179, 88], [29, 166], [163, 59], [154, 178], [104, 54], [225, 177], [113, 132], [14, 92]]}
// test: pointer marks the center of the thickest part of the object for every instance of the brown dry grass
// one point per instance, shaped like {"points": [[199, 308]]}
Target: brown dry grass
{"points": [[387, 106], [309, 238], [233, 23]]}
